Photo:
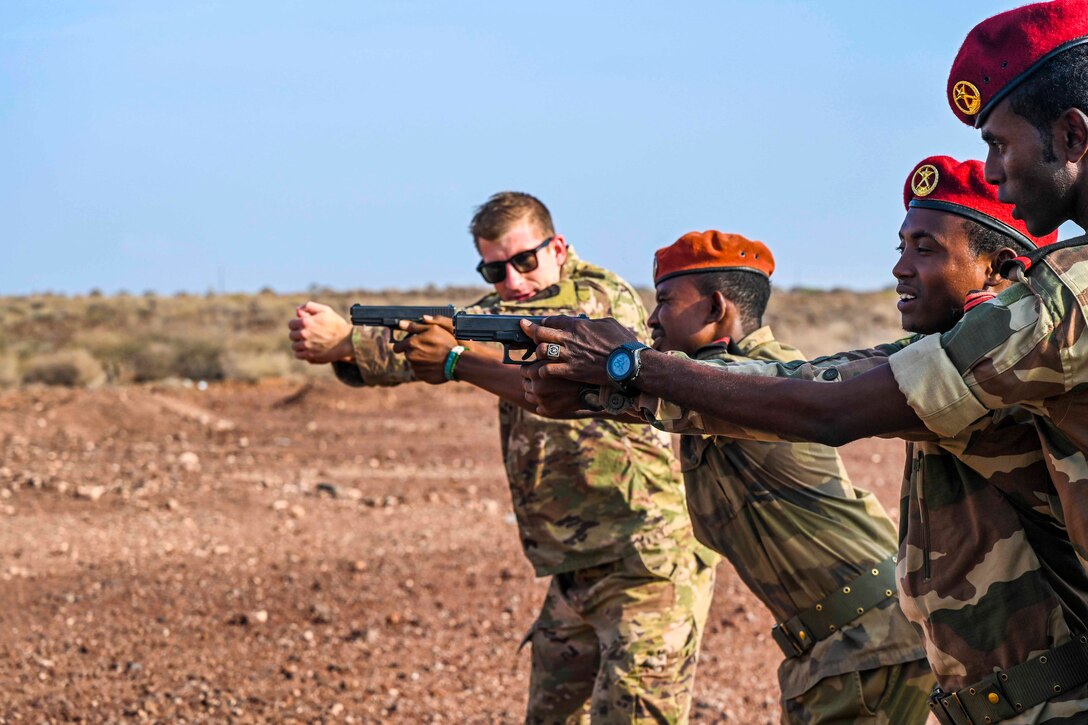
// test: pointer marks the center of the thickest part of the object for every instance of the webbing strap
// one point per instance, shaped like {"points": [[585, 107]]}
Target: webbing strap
{"points": [[801, 632], [1021, 687]]}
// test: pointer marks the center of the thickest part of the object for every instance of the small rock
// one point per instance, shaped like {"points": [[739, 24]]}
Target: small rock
{"points": [[297, 512], [320, 613], [189, 461], [240, 619], [328, 489], [90, 493], [260, 616]]}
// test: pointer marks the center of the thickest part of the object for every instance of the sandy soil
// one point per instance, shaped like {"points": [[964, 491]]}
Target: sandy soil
{"points": [[292, 551]]}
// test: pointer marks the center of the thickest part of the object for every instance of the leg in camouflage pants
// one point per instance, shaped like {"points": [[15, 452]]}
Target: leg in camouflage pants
{"points": [[892, 695], [618, 643]]}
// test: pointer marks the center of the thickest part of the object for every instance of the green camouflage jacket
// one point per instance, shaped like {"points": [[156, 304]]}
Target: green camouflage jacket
{"points": [[586, 491], [795, 529], [1027, 347], [986, 569]]}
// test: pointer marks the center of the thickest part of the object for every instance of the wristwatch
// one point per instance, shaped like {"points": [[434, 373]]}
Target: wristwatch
{"points": [[624, 365]]}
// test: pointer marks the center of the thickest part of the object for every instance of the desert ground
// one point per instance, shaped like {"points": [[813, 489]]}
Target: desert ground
{"points": [[292, 551]]}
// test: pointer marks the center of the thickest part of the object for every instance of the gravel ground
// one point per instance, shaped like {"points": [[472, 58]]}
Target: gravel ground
{"points": [[294, 552]]}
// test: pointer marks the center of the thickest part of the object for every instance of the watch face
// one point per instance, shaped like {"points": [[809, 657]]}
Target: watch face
{"points": [[619, 365]]}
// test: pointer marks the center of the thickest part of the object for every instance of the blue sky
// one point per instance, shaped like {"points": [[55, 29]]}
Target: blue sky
{"points": [[183, 146]]}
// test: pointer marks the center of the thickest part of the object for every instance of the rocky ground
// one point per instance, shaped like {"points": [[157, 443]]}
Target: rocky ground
{"points": [[292, 551]]}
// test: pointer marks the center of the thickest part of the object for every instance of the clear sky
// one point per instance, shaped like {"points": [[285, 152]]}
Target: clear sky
{"points": [[187, 145]]}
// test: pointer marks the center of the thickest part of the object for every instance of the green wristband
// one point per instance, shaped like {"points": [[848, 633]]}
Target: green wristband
{"points": [[451, 361]]}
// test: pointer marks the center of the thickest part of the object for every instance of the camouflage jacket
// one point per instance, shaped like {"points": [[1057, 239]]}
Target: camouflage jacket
{"points": [[585, 492], [986, 569], [1026, 347], [795, 529]]}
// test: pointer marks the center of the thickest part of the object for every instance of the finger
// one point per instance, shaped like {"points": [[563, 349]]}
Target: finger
{"points": [[296, 335], [446, 323], [300, 347], [413, 327], [556, 370], [538, 333], [295, 324], [531, 371], [312, 308]]}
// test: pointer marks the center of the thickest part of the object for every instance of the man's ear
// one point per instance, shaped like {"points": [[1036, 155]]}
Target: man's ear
{"points": [[993, 269], [1071, 135], [721, 307], [559, 244]]}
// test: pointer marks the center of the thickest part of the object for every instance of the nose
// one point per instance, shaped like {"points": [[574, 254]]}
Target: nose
{"points": [[993, 171], [652, 321], [903, 269], [514, 279]]}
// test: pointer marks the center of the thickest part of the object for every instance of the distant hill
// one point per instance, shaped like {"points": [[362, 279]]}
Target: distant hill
{"points": [[95, 339]]}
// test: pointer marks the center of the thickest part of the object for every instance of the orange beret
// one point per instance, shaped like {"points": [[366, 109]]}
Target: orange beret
{"points": [[712, 251]]}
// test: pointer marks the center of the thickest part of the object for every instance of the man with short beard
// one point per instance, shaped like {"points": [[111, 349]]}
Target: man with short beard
{"points": [[600, 506]]}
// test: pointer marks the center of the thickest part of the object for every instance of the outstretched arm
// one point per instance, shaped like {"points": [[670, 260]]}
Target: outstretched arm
{"points": [[870, 404]]}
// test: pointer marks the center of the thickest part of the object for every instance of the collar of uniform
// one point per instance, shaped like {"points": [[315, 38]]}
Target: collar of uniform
{"points": [[572, 262], [754, 339]]}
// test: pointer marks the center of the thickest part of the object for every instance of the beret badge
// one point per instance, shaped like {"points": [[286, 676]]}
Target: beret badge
{"points": [[966, 97], [924, 181]]}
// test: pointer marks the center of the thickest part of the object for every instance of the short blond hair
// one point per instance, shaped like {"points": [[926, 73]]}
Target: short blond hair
{"points": [[503, 210]]}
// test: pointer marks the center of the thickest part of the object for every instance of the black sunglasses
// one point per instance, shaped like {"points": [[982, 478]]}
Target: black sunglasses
{"points": [[495, 272]]}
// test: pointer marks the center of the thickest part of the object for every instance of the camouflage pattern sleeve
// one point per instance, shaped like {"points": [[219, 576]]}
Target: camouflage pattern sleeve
{"points": [[1027, 346], [375, 362], [828, 369]]}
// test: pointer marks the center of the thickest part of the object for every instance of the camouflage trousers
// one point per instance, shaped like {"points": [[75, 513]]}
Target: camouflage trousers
{"points": [[619, 643], [889, 695]]}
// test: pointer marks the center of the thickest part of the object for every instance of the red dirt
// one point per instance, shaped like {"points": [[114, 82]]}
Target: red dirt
{"points": [[292, 551]]}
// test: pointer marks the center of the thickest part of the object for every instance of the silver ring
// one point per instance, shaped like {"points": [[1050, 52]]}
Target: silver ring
{"points": [[552, 351]]}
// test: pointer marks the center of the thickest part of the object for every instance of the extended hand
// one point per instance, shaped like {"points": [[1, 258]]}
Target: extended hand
{"points": [[584, 346], [553, 397], [319, 335], [427, 346]]}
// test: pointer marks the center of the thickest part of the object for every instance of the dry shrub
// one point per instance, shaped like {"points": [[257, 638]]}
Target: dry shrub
{"points": [[253, 366], [74, 368], [199, 360], [9, 370], [154, 361]]}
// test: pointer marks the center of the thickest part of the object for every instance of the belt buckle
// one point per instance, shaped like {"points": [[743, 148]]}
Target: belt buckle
{"points": [[786, 641]]}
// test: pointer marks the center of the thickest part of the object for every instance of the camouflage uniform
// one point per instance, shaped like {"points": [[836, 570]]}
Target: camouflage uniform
{"points": [[796, 529], [600, 506], [986, 568]]}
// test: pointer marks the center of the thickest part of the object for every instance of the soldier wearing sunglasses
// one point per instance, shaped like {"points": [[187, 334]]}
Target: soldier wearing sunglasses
{"points": [[599, 503]]}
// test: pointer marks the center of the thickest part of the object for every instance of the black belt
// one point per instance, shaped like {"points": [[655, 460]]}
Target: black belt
{"points": [[801, 632], [1007, 693]]}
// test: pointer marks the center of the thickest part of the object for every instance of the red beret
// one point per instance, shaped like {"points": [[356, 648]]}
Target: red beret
{"points": [[944, 184], [711, 251], [1003, 51]]}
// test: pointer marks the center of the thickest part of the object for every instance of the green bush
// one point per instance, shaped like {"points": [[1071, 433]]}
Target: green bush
{"points": [[74, 368]]}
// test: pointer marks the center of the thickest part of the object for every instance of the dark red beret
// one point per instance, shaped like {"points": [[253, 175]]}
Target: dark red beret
{"points": [[711, 251], [944, 184], [1003, 51]]}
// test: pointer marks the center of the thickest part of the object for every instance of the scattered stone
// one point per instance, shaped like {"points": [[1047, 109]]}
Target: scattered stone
{"points": [[328, 489], [189, 461], [90, 493], [297, 512], [260, 616], [320, 613]]}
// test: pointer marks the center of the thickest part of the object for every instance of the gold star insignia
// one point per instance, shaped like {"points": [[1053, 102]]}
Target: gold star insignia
{"points": [[966, 97], [924, 181]]}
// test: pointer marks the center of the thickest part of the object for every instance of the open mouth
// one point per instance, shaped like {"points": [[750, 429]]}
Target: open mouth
{"points": [[906, 301]]}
